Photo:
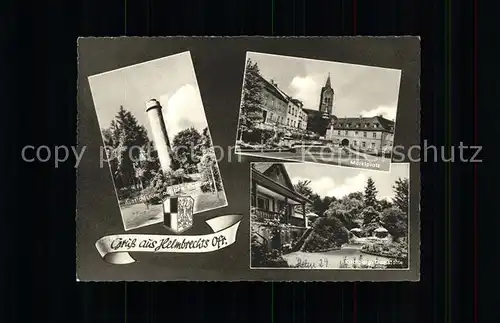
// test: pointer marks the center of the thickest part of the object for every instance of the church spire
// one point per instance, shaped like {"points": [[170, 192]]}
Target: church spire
{"points": [[328, 83]]}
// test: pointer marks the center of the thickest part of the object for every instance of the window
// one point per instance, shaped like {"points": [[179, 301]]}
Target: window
{"points": [[339, 133], [373, 145], [374, 135], [364, 134], [287, 121], [347, 133], [363, 144], [355, 143], [262, 203], [289, 109], [375, 125], [356, 133]]}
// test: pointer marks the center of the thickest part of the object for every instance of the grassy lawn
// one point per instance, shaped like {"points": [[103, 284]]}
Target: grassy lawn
{"points": [[208, 201], [137, 215]]}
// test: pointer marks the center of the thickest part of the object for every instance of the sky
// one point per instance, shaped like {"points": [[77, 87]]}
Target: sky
{"points": [[359, 90], [341, 181], [171, 80]]}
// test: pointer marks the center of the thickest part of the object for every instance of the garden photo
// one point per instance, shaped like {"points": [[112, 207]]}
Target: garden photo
{"points": [[300, 109], [156, 138], [314, 216]]}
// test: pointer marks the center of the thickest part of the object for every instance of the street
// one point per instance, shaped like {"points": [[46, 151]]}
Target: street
{"points": [[356, 159]]}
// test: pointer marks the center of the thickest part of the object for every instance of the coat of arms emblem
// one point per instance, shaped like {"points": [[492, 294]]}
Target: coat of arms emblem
{"points": [[178, 213]]}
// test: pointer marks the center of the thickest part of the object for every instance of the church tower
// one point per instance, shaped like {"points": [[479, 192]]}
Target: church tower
{"points": [[326, 98]]}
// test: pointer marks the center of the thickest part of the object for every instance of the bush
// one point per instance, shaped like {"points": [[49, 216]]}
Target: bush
{"points": [[395, 222], [262, 257], [257, 136], [327, 232]]}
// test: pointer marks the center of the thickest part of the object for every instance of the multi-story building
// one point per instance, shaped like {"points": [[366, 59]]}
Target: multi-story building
{"points": [[365, 134], [303, 119], [280, 109], [273, 197], [275, 105], [295, 115]]}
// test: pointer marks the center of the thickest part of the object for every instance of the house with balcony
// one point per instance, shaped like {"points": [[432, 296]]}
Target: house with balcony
{"points": [[274, 199]]}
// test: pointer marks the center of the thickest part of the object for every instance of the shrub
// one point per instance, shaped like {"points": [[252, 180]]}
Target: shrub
{"points": [[327, 232], [395, 222], [263, 257]]}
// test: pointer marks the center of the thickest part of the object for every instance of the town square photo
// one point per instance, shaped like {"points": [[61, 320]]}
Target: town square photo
{"points": [[300, 109], [312, 216], [156, 138], [178, 184]]}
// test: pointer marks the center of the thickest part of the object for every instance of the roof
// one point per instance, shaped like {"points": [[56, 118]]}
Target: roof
{"points": [[274, 88], [262, 167], [360, 122], [267, 182]]}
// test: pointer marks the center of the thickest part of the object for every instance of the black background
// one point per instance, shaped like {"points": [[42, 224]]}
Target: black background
{"points": [[38, 83], [219, 64]]}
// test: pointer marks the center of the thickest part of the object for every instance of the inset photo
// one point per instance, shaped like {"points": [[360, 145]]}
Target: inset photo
{"points": [[309, 216], [156, 138], [307, 110]]}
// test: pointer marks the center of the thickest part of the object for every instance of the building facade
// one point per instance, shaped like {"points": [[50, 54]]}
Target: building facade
{"points": [[273, 197], [280, 109], [373, 134], [275, 107]]}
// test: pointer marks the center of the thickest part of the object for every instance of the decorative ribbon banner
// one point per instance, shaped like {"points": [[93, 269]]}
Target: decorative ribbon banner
{"points": [[115, 248]]}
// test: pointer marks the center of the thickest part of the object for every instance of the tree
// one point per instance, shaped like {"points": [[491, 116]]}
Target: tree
{"points": [[401, 194], [384, 204], [252, 99], [348, 210], [356, 195], [321, 205], [187, 146], [371, 220], [303, 188], [206, 139], [123, 134], [395, 221], [370, 193], [210, 177]]}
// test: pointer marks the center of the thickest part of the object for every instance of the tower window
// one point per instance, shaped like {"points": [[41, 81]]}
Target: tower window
{"points": [[374, 135]]}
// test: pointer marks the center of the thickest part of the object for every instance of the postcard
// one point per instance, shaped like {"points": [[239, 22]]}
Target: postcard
{"points": [[156, 138], [327, 112]]}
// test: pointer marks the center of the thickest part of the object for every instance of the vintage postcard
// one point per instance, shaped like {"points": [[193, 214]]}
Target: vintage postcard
{"points": [[156, 138], [326, 112], [164, 194], [310, 216]]}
